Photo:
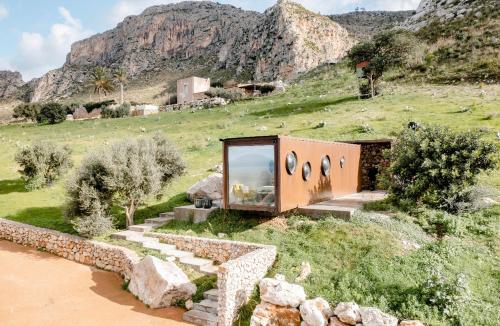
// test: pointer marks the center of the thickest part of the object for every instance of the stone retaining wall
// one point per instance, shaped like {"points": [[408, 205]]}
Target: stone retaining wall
{"points": [[218, 250], [88, 252], [243, 266], [236, 281]]}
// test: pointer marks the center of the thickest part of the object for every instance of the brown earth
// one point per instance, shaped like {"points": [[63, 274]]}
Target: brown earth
{"points": [[41, 289]]}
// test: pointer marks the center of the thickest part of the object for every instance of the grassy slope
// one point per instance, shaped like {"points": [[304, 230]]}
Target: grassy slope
{"points": [[327, 96]]}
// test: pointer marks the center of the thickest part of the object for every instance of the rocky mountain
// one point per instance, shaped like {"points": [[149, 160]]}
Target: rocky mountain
{"points": [[447, 11], [207, 38], [10, 84], [363, 25]]}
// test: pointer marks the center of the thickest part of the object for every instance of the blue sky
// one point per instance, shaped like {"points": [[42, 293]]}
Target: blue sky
{"points": [[36, 35]]}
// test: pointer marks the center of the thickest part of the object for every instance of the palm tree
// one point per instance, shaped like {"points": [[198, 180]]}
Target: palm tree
{"points": [[120, 76], [99, 79]]}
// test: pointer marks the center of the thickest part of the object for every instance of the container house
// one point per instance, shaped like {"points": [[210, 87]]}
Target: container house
{"points": [[276, 174]]}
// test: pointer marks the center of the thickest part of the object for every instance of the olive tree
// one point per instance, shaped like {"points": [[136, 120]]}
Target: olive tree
{"points": [[42, 163], [437, 167], [123, 174]]}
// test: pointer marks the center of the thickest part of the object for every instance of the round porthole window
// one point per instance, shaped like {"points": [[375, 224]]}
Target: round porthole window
{"points": [[291, 163], [325, 166], [342, 162], [306, 171]]}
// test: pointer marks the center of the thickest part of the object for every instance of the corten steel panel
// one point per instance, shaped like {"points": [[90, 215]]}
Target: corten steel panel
{"points": [[291, 190], [294, 191]]}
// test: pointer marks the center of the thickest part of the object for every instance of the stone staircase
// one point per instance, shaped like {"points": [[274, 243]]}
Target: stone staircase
{"points": [[203, 313]]}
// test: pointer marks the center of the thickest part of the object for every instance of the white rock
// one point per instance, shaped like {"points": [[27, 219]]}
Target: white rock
{"points": [[210, 187], [189, 304], [348, 312], [159, 284], [305, 271], [411, 323], [281, 293], [334, 321], [315, 312], [374, 317]]}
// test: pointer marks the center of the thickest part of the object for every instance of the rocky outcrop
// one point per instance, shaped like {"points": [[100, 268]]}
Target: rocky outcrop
{"points": [[11, 83], [363, 25], [267, 314], [189, 37], [279, 292], [448, 10], [315, 312], [160, 284], [210, 187]]}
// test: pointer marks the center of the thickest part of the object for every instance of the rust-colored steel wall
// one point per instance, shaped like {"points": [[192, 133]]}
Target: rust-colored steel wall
{"points": [[291, 190], [294, 191]]}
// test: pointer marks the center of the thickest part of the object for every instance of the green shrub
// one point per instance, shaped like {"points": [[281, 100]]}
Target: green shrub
{"points": [[42, 163], [438, 223], [93, 225], [118, 112], [234, 94], [267, 88], [51, 113], [28, 111], [125, 174], [97, 105], [437, 167]]}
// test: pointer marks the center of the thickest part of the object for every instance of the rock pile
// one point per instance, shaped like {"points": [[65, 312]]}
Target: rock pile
{"points": [[210, 187], [285, 304]]}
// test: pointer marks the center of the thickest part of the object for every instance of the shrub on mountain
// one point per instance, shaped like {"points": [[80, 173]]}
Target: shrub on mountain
{"points": [[28, 111], [228, 94], [438, 168], [51, 113], [42, 163], [124, 174], [120, 111], [98, 105]]}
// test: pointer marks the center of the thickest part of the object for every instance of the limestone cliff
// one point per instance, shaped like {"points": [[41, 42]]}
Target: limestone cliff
{"points": [[11, 83], [203, 37]]}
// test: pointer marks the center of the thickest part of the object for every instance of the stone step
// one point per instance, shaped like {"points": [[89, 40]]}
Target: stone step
{"points": [[212, 294], [142, 227], [142, 239], [159, 220], [123, 235], [167, 214], [177, 253], [206, 306], [209, 269], [159, 246], [196, 262], [200, 318]]}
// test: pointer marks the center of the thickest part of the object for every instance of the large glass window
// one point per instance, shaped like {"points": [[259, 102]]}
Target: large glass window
{"points": [[251, 175]]}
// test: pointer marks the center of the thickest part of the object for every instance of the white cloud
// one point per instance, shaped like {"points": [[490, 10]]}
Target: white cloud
{"points": [[4, 12], [37, 53]]}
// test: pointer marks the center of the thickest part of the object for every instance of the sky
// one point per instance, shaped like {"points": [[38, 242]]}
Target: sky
{"points": [[36, 35]]}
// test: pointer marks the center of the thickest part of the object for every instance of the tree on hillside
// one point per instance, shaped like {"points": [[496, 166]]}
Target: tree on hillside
{"points": [[120, 76], [123, 174], [386, 50], [101, 82], [29, 111], [52, 113]]}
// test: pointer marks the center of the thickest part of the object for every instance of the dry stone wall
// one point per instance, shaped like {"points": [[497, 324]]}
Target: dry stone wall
{"points": [[88, 252]]}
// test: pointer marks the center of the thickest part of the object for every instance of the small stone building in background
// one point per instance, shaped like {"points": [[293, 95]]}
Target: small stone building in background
{"points": [[373, 161], [192, 89]]}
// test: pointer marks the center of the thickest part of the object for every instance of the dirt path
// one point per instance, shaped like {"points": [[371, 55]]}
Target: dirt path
{"points": [[37, 288]]}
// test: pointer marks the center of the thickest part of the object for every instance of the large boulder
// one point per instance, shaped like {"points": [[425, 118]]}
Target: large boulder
{"points": [[348, 312], [267, 314], [315, 312], [279, 292], [159, 284], [374, 317], [210, 187], [334, 321]]}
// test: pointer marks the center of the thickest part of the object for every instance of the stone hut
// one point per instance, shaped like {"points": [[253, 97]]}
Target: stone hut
{"points": [[192, 89]]}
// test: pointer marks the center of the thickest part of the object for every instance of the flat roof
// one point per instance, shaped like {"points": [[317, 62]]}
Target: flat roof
{"points": [[367, 141], [273, 137]]}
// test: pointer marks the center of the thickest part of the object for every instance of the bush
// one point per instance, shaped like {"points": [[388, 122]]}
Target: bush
{"points": [[267, 88], [42, 163], [438, 223], [234, 94], [124, 174], [93, 225], [437, 167], [29, 111], [97, 105], [51, 113], [118, 112]]}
